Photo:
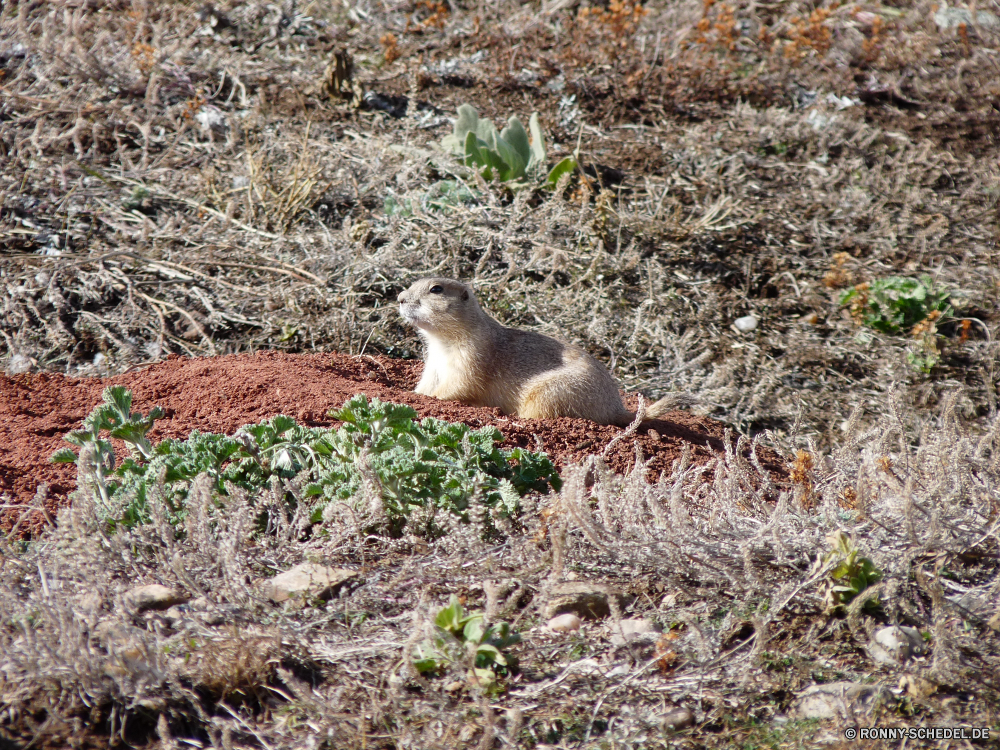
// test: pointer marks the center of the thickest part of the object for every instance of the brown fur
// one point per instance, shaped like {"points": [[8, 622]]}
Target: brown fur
{"points": [[473, 359]]}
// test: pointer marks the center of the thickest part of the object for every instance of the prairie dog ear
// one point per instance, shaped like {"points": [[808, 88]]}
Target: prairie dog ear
{"points": [[465, 294]]}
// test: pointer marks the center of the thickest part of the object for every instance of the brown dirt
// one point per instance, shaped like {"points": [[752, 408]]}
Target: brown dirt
{"points": [[224, 393]]}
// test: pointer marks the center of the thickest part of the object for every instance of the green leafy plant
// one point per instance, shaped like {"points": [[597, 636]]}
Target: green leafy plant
{"points": [[114, 417], [461, 636], [509, 154], [443, 196], [138, 200], [414, 465], [852, 573], [896, 304]]}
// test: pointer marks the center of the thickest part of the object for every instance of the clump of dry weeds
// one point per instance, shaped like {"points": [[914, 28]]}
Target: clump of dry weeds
{"points": [[734, 567]]}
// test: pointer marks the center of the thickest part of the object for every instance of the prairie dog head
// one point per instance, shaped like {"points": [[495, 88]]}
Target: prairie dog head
{"points": [[440, 308]]}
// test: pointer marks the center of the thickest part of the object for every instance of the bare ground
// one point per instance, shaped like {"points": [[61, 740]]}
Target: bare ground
{"points": [[225, 393]]}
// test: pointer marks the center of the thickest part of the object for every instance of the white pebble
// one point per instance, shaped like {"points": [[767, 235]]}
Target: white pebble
{"points": [[745, 324], [17, 364]]}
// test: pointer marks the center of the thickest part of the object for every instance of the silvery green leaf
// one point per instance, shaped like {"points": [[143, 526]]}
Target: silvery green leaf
{"points": [[119, 397], [473, 630], [283, 461], [486, 131], [513, 165], [508, 495], [468, 120], [64, 456], [537, 142], [491, 653], [566, 166], [515, 135], [450, 617], [78, 437]]}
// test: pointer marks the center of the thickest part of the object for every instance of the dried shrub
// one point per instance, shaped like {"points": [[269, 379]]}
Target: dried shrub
{"points": [[390, 49], [717, 27], [808, 35]]}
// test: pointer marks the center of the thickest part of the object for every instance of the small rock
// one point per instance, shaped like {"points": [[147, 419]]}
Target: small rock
{"points": [[678, 718], [17, 364], [587, 600], [917, 687], [838, 700], [948, 18], [631, 628], [895, 645], [994, 622], [174, 614], [586, 666], [153, 596], [620, 671], [453, 687], [745, 324], [566, 623], [636, 625], [213, 618], [307, 580], [211, 119]]}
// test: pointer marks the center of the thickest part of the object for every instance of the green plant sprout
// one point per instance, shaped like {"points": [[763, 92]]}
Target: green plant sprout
{"points": [[414, 465], [114, 417], [852, 573], [443, 195], [509, 154], [896, 304], [460, 635]]}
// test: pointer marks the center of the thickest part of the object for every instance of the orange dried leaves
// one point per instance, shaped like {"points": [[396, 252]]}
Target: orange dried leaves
{"points": [[802, 477], [145, 56], [717, 27], [838, 276], [808, 34], [390, 50], [619, 20]]}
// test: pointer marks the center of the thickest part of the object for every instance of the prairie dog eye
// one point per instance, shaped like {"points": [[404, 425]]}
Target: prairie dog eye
{"points": [[437, 289]]}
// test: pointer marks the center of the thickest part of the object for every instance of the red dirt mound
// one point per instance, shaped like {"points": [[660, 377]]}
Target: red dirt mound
{"points": [[224, 393]]}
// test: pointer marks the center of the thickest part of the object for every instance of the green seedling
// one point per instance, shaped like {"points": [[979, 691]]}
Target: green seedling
{"points": [[138, 199], [414, 465], [896, 304], [460, 635], [443, 196], [852, 573], [510, 154], [115, 419]]}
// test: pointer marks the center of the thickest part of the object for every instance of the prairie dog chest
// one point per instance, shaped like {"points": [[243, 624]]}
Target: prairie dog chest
{"points": [[448, 369]]}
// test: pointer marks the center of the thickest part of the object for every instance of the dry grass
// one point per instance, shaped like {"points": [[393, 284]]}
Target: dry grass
{"points": [[738, 581], [175, 179], [170, 189]]}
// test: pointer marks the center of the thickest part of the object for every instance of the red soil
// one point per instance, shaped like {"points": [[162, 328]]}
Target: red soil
{"points": [[224, 393]]}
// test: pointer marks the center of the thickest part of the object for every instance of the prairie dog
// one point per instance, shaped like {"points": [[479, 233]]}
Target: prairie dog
{"points": [[473, 359]]}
